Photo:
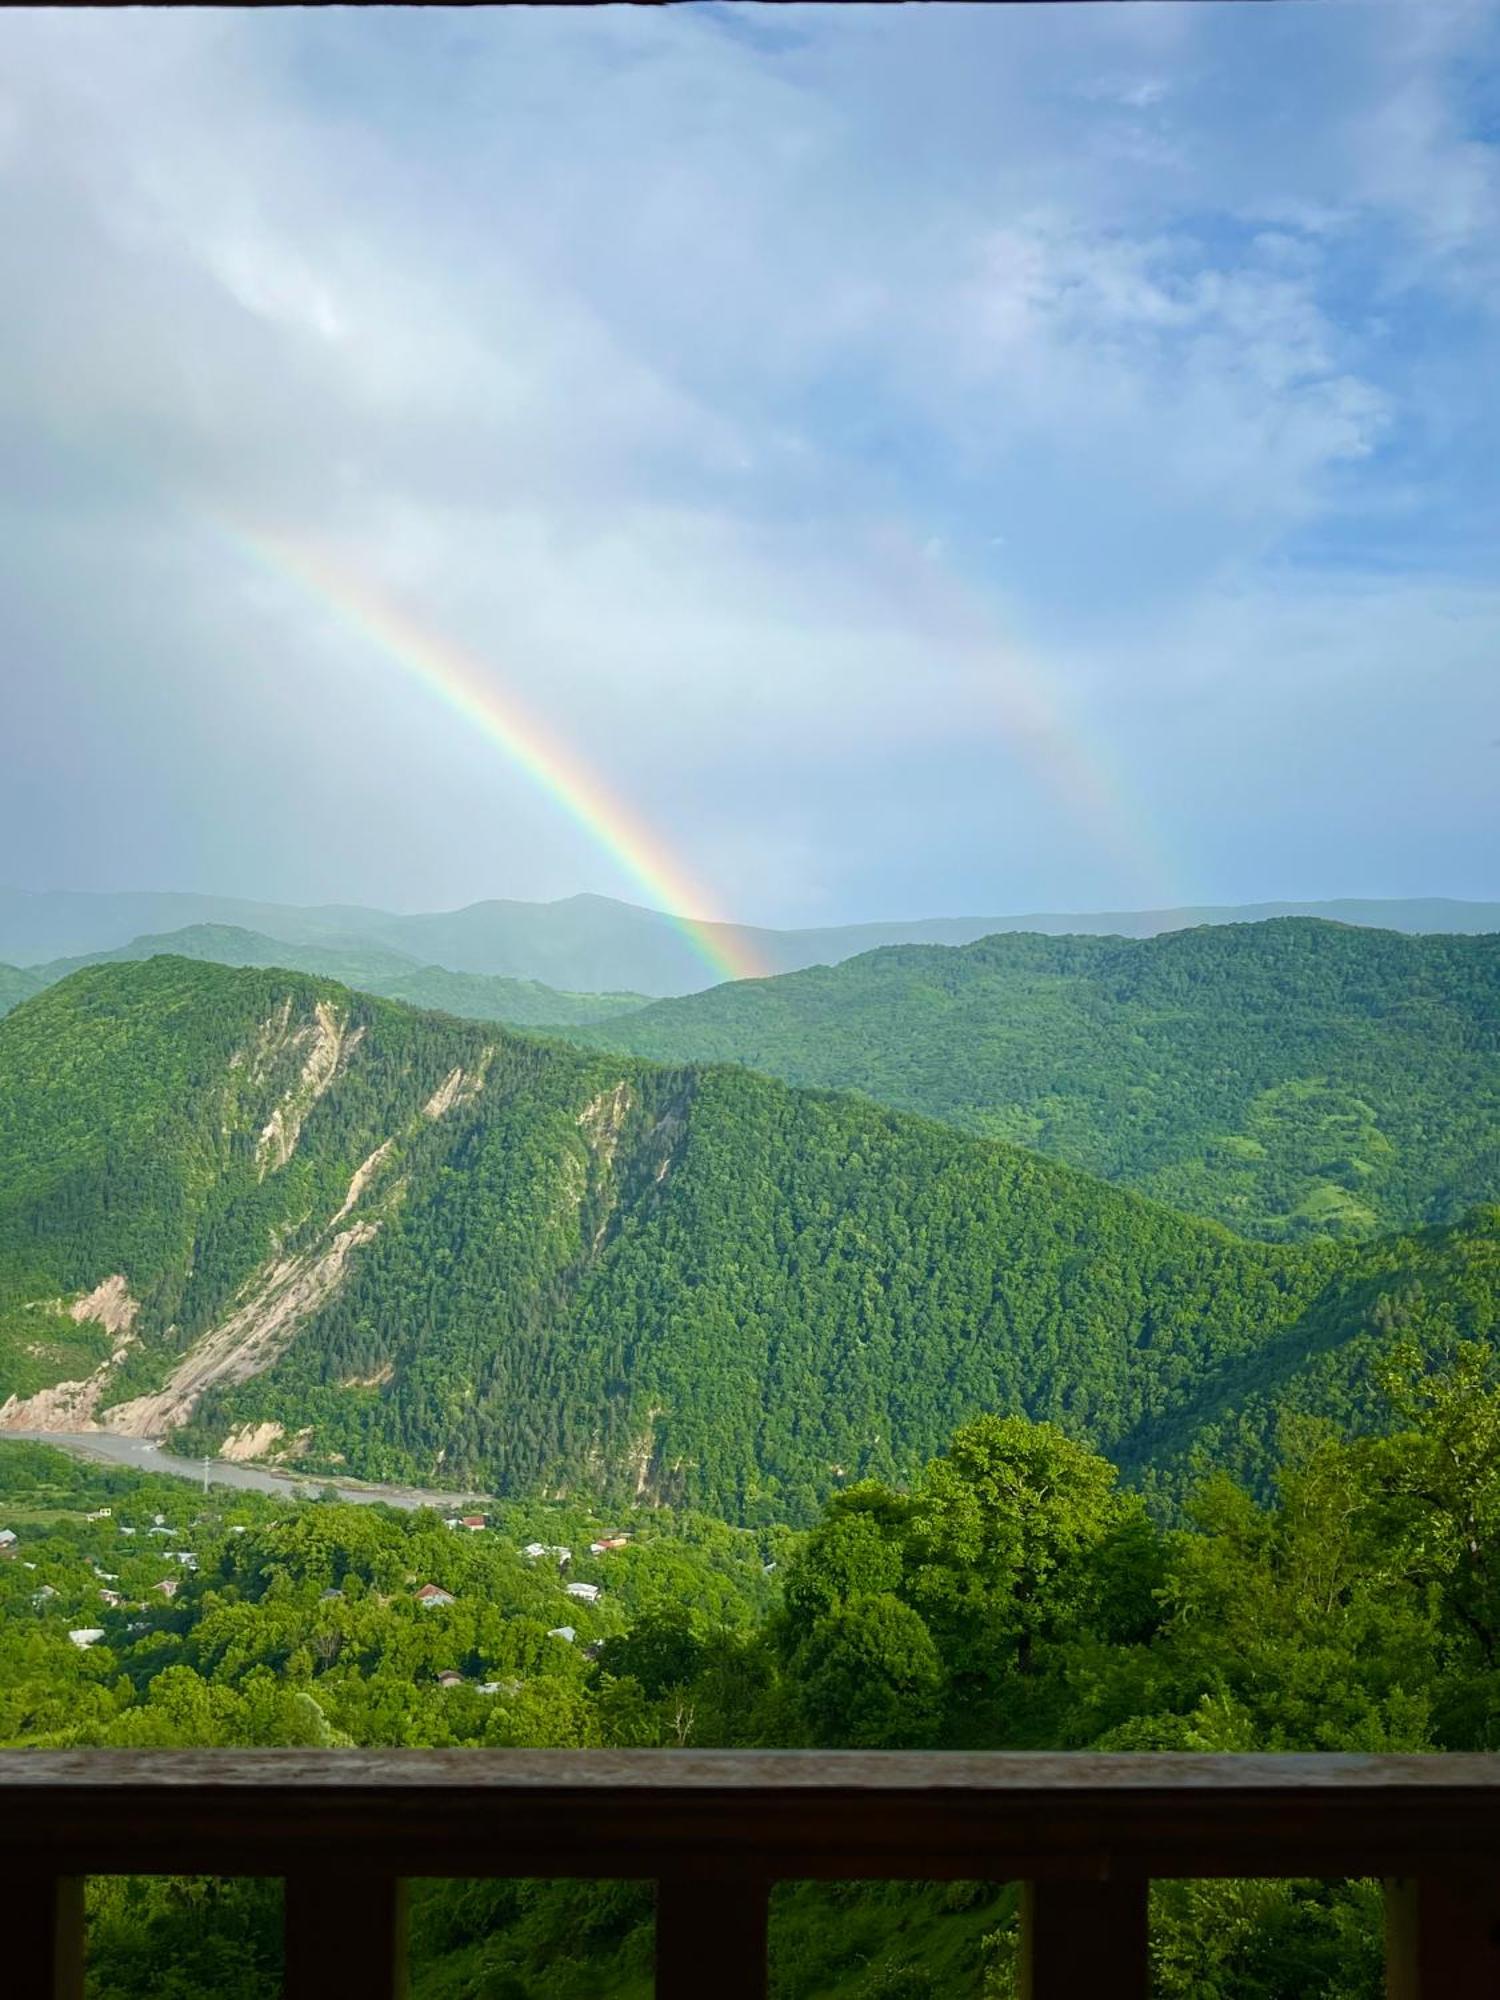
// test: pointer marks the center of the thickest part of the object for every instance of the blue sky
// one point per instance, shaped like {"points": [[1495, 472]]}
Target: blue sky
{"points": [[928, 460]]}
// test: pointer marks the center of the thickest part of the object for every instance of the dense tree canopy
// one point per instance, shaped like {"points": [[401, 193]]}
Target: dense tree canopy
{"points": [[1291, 1078]]}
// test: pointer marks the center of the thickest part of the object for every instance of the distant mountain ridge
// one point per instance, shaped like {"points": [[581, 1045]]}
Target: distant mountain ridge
{"points": [[373, 968], [595, 944]]}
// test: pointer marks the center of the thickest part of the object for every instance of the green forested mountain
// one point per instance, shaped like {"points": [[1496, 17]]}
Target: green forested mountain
{"points": [[487, 996], [374, 968], [1291, 1078], [254, 1206], [18, 983], [353, 964]]}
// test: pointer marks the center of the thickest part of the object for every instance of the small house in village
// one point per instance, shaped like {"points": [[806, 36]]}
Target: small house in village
{"points": [[563, 1632], [433, 1594], [607, 1542], [42, 1596], [449, 1679], [473, 1522], [7, 1538], [586, 1593], [86, 1636], [169, 1586]]}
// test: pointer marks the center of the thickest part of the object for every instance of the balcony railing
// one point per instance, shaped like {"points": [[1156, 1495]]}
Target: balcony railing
{"points": [[715, 1829]]}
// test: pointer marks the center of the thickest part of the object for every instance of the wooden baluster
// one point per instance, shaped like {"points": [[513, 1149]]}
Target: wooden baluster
{"points": [[42, 1954], [1442, 1937], [345, 1934], [711, 1939], [1084, 1941]]}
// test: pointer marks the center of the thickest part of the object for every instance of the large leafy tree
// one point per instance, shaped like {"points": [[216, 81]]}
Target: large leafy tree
{"points": [[870, 1676], [1010, 1540]]}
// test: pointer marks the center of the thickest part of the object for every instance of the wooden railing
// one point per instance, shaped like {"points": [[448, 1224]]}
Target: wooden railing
{"points": [[715, 1829]]}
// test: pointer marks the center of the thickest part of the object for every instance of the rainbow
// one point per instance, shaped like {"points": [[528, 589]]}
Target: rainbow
{"points": [[1034, 715], [469, 689]]}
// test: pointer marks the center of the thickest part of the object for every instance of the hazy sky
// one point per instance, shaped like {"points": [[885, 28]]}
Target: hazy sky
{"points": [[926, 460]]}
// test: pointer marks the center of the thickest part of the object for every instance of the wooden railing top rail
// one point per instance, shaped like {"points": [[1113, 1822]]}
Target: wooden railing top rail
{"points": [[762, 1814]]}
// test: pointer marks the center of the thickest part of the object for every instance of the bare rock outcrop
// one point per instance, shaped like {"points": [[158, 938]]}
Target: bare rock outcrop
{"points": [[323, 1038], [70, 1406], [363, 1174], [247, 1441], [251, 1340], [459, 1086]]}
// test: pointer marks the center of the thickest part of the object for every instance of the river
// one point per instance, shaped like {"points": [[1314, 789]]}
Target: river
{"points": [[105, 1448]]}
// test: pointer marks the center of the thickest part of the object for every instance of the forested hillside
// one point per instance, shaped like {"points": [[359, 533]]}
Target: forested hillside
{"points": [[256, 1208], [488, 996], [373, 968], [17, 983], [1290, 1078]]}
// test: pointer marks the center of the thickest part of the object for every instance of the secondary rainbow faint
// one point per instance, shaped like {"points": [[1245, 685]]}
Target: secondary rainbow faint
{"points": [[1048, 733], [470, 688]]}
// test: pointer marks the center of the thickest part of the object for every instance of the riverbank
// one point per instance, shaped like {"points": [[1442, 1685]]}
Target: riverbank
{"points": [[141, 1455]]}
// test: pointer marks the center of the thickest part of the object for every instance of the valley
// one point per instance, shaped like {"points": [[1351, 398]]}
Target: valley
{"points": [[559, 1394]]}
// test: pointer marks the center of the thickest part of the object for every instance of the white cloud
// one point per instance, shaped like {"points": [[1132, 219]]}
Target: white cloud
{"points": [[648, 354]]}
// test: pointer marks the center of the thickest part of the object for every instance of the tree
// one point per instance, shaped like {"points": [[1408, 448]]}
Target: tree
{"points": [[660, 1651], [1006, 1542], [857, 1549], [869, 1676]]}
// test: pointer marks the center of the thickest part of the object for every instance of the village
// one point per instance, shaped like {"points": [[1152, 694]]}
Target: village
{"points": [[510, 1609], [48, 1597]]}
